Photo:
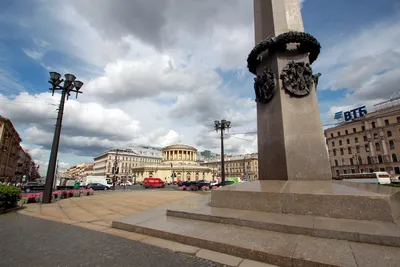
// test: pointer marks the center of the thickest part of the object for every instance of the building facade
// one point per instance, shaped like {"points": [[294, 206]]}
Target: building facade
{"points": [[243, 166], [125, 160], [366, 144], [26, 169], [178, 163], [9, 149], [78, 171]]}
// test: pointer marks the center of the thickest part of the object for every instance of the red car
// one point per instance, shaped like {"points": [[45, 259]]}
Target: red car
{"points": [[153, 183]]}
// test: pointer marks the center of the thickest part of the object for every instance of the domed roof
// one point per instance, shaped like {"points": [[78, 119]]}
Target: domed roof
{"points": [[179, 145]]}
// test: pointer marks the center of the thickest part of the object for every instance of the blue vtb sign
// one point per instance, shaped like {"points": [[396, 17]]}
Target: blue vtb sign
{"points": [[352, 114], [355, 113]]}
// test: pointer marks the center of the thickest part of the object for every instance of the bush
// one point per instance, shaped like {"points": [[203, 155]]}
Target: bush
{"points": [[77, 194], [9, 196]]}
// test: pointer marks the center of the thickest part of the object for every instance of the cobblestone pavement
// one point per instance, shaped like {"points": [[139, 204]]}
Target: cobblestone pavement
{"points": [[28, 241]]}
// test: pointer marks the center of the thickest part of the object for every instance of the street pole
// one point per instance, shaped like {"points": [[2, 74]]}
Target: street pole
{"points": [[222, 159], [222, 126], [68, 87], [115, 169]]}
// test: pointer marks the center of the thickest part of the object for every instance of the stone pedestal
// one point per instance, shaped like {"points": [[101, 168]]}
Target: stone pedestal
{"points": [[331, 199]]}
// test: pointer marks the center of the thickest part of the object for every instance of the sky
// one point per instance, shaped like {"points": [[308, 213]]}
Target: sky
{"points": [[158, 71]]}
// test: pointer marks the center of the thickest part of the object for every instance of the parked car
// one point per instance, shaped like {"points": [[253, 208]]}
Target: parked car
{"points": [[202, 183], [127, 183], [153, 183], [187, 184], [30, 186], [98, 186], [226, 183]]}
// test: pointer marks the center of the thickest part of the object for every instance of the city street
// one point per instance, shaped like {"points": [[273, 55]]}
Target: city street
{"points": [[28, 241], [141, 188]]}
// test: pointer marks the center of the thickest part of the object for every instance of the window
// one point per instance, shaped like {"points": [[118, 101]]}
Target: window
{"points": [[337, 173], [369, 160], [382, 169], [391, 144], [334, 152], [394, 157], [333, 143], [351, 161], [338, 133], [340, 142], [358, 149], [386, 122], [366, 148], [389, 133], [347, 132], [362, 128], [353, 171], [354, 130], [365, 138], [344, 171], [377, 147], [355, 139], [341, 152], [343, 162], [349, 149], [375, 136], [348, 141], [398, 119], [380, 160], [373, 124], [336, 163], [360, 160], [331, 134]]}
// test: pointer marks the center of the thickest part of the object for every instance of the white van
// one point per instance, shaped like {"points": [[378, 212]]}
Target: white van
{"points": [[368, 178]]}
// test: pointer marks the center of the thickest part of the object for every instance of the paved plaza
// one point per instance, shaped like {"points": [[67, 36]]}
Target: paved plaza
{"points": [[67, 235]]}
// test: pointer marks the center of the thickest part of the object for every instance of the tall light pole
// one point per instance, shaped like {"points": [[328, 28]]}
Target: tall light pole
{"points": [[69, 85], [222, 126]]}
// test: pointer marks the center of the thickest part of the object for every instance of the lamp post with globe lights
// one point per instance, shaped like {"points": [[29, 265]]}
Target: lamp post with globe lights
{"points": [[66, 87], [222, 126]]}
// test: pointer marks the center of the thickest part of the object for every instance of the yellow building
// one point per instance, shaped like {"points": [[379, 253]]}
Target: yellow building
{"points": [[178, 159]]}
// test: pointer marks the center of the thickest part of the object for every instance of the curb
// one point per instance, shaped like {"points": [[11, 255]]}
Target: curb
{"points": [[11, 210]]}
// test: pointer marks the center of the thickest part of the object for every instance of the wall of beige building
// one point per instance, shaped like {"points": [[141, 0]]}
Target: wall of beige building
{"points": [[235, 166], [126, 161], [367, 144]]}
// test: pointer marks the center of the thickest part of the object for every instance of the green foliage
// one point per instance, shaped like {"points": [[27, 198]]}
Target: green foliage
{"points": [[9, 196], [77, 194]]}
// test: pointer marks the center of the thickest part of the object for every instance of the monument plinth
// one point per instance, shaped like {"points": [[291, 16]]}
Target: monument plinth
{"points": [[295, 215]]}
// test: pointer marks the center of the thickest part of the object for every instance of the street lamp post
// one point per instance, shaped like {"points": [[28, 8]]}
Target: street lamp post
{"points": [[69, 85], [222, 126]]}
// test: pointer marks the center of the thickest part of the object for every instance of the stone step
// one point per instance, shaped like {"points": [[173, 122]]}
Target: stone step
{"points": [[373, 232], [281, 249]]}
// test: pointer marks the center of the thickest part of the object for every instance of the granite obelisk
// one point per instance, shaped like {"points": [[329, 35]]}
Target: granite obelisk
{"points": [[291, 145]]}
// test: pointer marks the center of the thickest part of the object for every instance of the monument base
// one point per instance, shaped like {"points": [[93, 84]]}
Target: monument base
{"points": [[285, 223], [334, 199]]}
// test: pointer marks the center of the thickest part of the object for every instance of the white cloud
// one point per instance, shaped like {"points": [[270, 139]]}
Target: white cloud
{"points": [[153, 72]]}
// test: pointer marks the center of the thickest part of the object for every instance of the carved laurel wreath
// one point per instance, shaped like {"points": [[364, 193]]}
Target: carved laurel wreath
{"points": [[306, 44], [264, 86], [297, 78]]}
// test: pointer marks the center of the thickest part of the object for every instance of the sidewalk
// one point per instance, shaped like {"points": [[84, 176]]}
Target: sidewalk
{"points": [[98, 211]]}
